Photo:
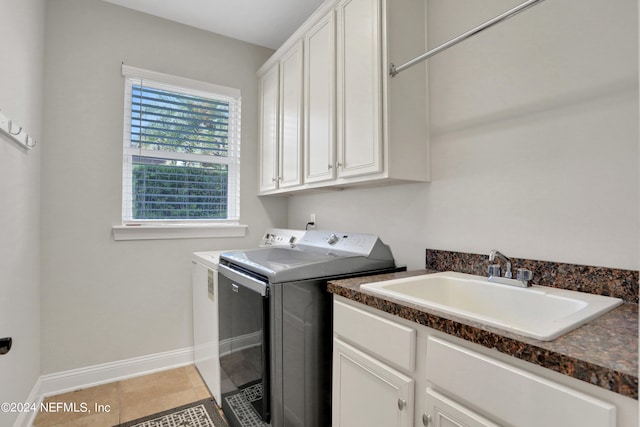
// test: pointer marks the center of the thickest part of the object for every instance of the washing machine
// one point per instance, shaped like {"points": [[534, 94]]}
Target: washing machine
{"points": [[276, 325], [204, 279]]}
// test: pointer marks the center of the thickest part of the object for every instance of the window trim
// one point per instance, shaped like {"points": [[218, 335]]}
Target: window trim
{"points": [[170, 230], [180, 228], [188, 84]]}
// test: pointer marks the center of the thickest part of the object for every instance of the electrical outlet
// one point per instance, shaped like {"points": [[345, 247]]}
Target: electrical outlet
{"points": [[312, 218]]}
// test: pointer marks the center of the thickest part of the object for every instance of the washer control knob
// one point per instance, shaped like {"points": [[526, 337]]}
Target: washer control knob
{"points": [[332, 239]]}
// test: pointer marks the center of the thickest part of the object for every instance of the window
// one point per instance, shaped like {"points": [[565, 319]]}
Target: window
{"points": [[181, 157]]}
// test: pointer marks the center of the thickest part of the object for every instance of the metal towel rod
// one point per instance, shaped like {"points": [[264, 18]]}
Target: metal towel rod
{"points": [[393, 71]]}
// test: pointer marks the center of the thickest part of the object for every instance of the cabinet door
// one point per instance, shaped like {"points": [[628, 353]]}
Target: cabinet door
{"points": [[359, 88], [290, 142], [268, 98], [367, 392], [510, 394], [443, 412], [319, 56]]}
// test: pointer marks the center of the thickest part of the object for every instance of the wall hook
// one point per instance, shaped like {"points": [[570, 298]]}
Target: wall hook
{"points": [[11, 125], [16, 133], [30, 142]]}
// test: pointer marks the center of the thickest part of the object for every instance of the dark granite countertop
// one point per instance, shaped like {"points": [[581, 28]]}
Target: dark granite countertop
{"points": [[604, 352]]}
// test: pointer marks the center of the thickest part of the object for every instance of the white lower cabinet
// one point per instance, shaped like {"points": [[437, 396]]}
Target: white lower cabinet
{"points": [[443, 412], [388, 371], [508, 394], [372, 378], [367, 392]]}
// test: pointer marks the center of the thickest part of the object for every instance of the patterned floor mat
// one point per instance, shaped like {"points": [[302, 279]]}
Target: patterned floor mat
{"points": [[243, 410], [203, 413]]}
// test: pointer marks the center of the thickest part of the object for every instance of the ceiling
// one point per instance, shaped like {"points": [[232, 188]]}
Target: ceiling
{"points": [[263, 22]]}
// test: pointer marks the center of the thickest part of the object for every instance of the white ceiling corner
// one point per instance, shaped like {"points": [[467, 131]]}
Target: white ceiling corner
{"points": [[263, 22]]}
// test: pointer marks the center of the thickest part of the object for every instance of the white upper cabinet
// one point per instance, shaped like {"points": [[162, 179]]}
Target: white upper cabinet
{"points": [[359, 89], [269, 111], [319, 101], [280, 100], [361, 125], [290, 141]]}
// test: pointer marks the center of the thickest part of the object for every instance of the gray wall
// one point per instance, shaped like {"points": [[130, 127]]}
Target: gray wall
{"points": [[534, 141], [22, 35], [105, 300]]}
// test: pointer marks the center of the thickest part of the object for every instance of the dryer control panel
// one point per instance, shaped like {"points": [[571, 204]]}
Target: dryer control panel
{"points": [[351, 243], [280, 237]]}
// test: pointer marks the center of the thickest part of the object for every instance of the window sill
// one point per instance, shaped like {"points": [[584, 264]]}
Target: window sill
{"points": [[177, 231]]}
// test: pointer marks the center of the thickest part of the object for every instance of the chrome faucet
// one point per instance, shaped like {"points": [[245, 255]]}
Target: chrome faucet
{"points": [[522, 278], [495, 253]]}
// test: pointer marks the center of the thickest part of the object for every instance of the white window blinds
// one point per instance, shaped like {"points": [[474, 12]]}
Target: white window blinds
{"points": [[181, 149]]}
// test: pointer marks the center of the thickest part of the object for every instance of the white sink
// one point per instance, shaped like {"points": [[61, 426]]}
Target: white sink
{"points": [[537, 312]]}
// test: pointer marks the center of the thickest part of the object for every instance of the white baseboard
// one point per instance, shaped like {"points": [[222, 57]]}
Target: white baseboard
{"points": [[25, 419], [62, 382]]}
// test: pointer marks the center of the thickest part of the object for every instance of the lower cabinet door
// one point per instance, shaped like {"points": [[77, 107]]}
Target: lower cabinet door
{"points": [[443, 412], [367, 392]]}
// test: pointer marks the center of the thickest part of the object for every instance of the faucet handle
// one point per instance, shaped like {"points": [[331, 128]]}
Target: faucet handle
{"points": [[494, 270], [524, 275]]}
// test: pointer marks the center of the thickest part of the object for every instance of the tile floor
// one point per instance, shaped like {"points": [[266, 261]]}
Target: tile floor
{"points": [[126, 400]]}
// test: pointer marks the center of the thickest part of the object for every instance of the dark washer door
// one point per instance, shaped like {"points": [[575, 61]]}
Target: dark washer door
{"points": [[244, 348]]}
